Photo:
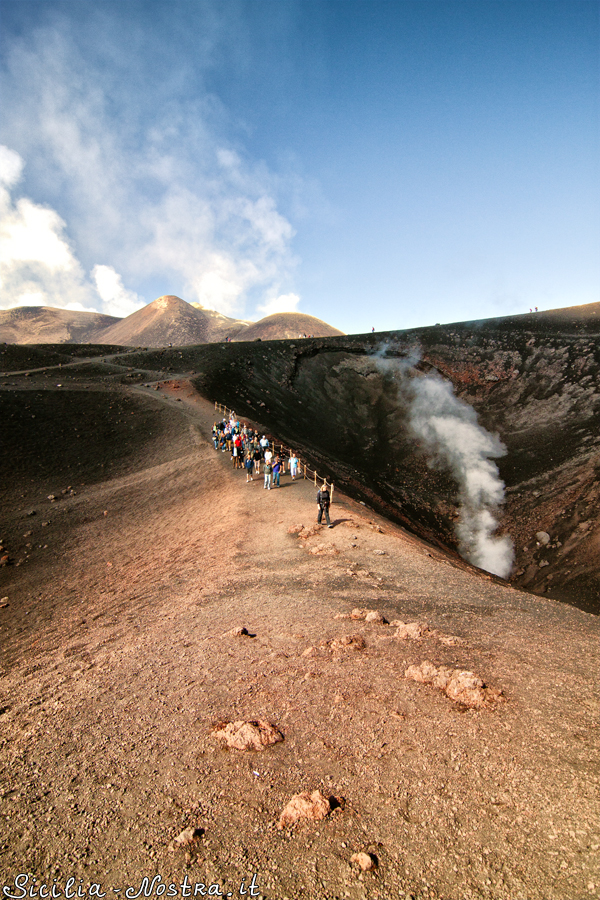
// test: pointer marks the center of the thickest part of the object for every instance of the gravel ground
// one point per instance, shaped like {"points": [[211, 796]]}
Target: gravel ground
{"points": [[119, 658]]}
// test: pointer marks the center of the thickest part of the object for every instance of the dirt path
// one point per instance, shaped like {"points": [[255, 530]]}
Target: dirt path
{"points": [[118, 660]]}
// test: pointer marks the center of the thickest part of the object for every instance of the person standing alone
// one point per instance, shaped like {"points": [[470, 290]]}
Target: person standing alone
{"points": [[323, 501]]}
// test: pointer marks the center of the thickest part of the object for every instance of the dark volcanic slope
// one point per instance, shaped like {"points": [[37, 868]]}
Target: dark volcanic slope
{"points": [[46, 325], [533, 379]]}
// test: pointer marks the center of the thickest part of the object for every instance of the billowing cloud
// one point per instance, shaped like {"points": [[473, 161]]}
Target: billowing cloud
{"points": [[157, 194], [282, 304], [38, 266], [117, 301]]}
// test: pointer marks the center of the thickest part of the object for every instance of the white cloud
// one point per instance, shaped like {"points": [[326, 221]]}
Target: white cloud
{"points": [[282, 304], [11, 167], [156, 192], [37, 264], [33, 234], [117, 301]]}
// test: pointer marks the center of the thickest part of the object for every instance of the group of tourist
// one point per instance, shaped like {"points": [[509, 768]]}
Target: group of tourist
{"points": [[249, 451]]}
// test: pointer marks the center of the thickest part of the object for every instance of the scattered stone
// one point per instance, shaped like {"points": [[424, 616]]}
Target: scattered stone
{"points": [[450, 640], [323, 550], [410, 631], [4, 560], [188, 836], [309, 531], [240, 631], [365, 861], [255, 735], [379, 552], [543, 537], [295, 529], [543, 562], [458, 684], [375, 617], [367, 615], [45, 524], [3, 602], [51, 498], [348, 642], [305, 806], [376, 528], [32, 512]]}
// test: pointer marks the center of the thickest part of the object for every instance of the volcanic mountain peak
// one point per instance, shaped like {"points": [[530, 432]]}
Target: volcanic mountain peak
{"points": [[290, 325], [168, 301], [167, 320], [47, 325]]}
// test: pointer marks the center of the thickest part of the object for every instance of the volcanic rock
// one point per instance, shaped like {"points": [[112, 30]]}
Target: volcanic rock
{"points": [[460, 685], [410, 631], [305, 806], [367, 615], [188, 836], [347, 642], [255, 735], [365, 861]]}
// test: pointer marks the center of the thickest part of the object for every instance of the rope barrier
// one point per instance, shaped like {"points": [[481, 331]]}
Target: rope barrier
{"points": [[220, 407]]}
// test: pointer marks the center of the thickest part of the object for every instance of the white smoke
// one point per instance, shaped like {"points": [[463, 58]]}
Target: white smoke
{"points": [[452, 438], [116, 299], [282, 304]]}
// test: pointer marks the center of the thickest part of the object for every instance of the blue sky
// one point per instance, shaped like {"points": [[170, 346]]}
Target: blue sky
{"points": [[385, 164]]}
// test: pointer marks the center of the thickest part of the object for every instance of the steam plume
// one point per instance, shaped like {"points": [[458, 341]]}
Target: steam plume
{"points": [[453, 439]]}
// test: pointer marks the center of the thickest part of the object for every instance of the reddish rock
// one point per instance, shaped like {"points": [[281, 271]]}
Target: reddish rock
{"points": [[255, 735], [459, 685], [305, 806]]}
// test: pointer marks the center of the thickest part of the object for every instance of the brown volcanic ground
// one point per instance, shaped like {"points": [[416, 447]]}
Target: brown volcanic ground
{"points": [[118, 659], [46, 325], [286, 325]]}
